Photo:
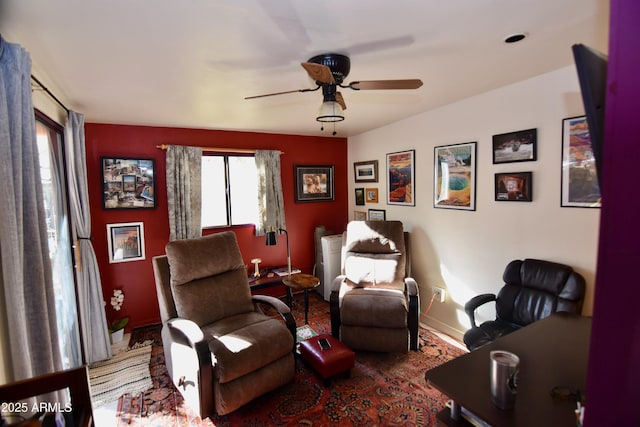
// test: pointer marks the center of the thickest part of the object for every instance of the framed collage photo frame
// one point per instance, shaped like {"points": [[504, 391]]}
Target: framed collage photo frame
{"points": [[401, 178], [314, 183], [454, 184], [579, 179], [128, 183]]}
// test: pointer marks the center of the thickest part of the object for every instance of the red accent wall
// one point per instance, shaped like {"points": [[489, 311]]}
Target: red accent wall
{"points": [[136, 277]]}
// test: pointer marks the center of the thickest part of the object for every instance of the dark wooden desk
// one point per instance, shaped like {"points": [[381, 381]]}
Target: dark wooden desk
{"points": [[553, 352]]}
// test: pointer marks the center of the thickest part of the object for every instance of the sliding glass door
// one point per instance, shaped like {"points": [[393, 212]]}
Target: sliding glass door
{"points": [[51, 152]]}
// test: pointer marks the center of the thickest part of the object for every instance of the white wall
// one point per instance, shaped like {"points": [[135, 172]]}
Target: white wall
{"points": [[466, 251]]}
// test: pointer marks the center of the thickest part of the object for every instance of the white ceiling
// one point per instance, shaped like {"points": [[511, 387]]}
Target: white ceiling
{"points": [[190, 63]]}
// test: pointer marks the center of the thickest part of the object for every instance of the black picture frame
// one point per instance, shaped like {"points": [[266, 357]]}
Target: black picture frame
{"points": [[454, 181], [313, 183], [128, 183], [519, 146], [359, 196], [401, 178], [579, 179], [513, 187]]}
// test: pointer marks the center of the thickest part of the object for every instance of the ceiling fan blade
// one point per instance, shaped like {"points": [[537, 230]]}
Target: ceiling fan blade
{"points": [[340, 100], [318, 72], [281, 93], [386, 84]]}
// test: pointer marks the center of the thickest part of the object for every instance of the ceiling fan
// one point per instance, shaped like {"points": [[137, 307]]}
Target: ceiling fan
{"points": [[329, 71]]}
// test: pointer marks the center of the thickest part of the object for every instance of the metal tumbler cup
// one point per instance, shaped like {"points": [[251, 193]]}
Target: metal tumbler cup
{"points": [[504, 378]]}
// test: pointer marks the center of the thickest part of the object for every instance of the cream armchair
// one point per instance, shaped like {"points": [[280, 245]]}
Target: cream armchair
{"points": [[375, 303], [221, 350]]}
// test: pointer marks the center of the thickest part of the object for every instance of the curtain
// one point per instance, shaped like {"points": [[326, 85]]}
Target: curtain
{"points": [[184, 165], [270, 201], [25, 267], [93, 321]]}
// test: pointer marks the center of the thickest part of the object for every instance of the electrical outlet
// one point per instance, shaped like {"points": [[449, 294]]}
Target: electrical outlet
{"points": [[439, 293]]}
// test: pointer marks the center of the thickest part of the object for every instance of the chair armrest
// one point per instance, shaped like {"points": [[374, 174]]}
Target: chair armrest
{"points": [[334, 305], [411, 286], [475, 302], [190, 332], [283, 310], [335, 284]]}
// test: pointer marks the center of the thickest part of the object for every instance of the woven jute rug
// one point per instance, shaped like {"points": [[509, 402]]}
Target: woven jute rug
{"points": [[125, 373]]}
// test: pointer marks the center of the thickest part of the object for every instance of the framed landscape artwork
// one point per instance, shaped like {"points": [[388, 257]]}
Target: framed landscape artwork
{"points": [[401, 178], [513, 187], [520, 146], [128, 183], [314, 183], [126, 241], [455, 176], [359, 196], [579, 177], [366, 171], [377, 215]]}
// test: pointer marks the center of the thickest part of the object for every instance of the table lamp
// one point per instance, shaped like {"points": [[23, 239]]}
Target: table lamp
{"points": [[271, 240]]}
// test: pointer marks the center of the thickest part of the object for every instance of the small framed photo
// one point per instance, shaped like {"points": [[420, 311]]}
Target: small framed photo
{"points": [[359, 216], [377, 215], [314, 183], [128, 183], [455, 176], [513, 187], [366, 171], [359, 196], [520, 146], [371, 195], [579, 177], [126, 241], [401, 178]]}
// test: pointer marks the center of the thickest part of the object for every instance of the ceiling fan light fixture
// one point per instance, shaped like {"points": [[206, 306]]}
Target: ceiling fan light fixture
{"points": [[330, 111]]}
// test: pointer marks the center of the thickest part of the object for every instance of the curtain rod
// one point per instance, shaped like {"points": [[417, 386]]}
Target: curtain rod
{"points": [[219, 150], [49, 93]]}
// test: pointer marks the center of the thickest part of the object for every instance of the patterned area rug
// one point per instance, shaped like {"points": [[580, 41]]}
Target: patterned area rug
{"points": [[384, 389], [126, 372]]}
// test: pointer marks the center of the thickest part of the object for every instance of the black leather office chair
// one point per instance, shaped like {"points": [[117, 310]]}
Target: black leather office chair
{"points": [[533, 290]]}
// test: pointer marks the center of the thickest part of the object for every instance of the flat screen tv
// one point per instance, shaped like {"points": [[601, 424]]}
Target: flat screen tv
{"points": [[592, 75]]}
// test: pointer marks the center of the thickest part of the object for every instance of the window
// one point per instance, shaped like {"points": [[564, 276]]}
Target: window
{"points": [[229, 190]]}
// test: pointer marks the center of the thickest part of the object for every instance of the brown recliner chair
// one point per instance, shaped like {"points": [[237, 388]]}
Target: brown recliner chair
{"points": [[221, 350], [374, 303], [533, 289]]}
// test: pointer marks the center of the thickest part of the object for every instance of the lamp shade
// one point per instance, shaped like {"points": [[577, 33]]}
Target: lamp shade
{"points": [[271, 239], [330, 111]]}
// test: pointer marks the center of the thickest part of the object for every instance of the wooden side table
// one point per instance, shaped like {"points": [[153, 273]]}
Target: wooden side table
{"points": [[300, 281]]}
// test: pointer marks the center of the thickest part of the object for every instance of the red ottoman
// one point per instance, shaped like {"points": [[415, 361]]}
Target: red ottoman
{"points": [[327, 363]]}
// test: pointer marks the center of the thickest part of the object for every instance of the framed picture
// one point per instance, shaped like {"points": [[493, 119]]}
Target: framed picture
{"points": [[520, 146], [454, 183], [128, 183], [513, 187], [314, 183], [359, 196], [359, 216], [579, 177], [371, 195], [377, 215], [401, 178], [126, 241], [366, 171]]}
